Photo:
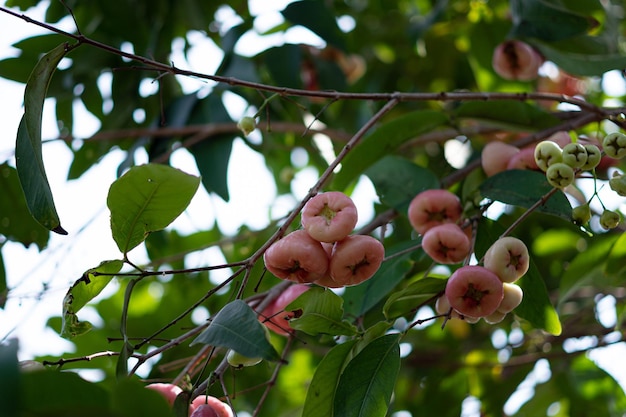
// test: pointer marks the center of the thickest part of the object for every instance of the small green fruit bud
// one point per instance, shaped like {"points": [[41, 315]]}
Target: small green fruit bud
{"points": [[574, 155], [594, 155], [560, 175], [237, 360], [547, 153], [618, 184], [247, 124], [614, 145], [609, 219], [581, 214]]}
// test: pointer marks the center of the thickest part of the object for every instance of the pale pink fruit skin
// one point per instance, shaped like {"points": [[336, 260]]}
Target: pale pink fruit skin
{"points": [[516, 60], [297, 257], [495, 157], [524, 159], [499, 256], [204, 410], [433, 207], [474, 278], [446, 244], [329, 216], [495, 317], [169, 391], [513, 295], [274, 317], [355, 259], [326, 280], [221, 408]]}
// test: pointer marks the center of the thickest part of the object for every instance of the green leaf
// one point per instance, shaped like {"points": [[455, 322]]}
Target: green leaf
{"points": [[16, 222], [130, 398], [366, 385], [509, 114], [284, 63], [408, 299], [547, 21], [315, 16], [236, 327], [321, 393], [384, 141], [322, 313], [4, 290], [397, 180], [28, 156], [529, 187], [145, 199], [9, 378], [616, 261], [85, 289]]}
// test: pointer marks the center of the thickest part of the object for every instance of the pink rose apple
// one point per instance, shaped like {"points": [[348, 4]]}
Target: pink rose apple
{"points": [[168, 391], [446, 244], [474, 291], [297, 257], [329, 217], [496, 156], [204, 410], [524, 159], [513, 295], [220, 408], [355, 259], [508, 258], [275, 317], [433, 207], [516, 60]]}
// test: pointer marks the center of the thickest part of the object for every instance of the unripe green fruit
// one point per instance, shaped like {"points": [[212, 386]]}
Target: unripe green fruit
{"points": [[237, 360], [547, 153], [618, 184], [581, 214], [247, 124], [560, 175], [609, 219], [614, 145], [594, 155], [574, 155]]}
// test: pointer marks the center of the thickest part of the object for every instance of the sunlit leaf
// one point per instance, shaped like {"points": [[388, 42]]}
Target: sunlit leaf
{"points": [[384, 141], [236, 327], [366, 384], [145, 199], [530, 187], [321, 312], [28, 155], [84, 290]]}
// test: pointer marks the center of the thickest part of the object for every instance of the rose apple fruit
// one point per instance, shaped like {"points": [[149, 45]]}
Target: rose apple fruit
{"points": [[168, 391], [355, 259], [474, 291], [574, 155], [220, 408], [511, 298], [547, 153], [446, 243], [442, 307], [560, 175], [524, 159], [614, 145], [204, 410], [274, 316], [496, 156], [329, 217], [433, 207], [297, 257], [516, 60], [508, 258]]}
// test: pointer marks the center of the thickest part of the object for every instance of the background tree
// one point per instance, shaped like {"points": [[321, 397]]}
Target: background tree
{"points": [[411, 95]]}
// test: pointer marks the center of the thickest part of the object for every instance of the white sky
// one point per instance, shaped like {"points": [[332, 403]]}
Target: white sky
{"points": [[82, 209]]}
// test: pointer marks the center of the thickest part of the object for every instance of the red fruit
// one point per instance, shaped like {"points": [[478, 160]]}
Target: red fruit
{"points": [[329, 217], [204, 410], [433, 207], [220, 408], [516, 60], [474, 291], [355, 259], [446, 244], [297, 257], [495, 157], [275, 317], [508, 258], [168, 391]]}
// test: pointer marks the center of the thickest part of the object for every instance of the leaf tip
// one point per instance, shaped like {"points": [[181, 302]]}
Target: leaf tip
{"points": [[58, 229]]}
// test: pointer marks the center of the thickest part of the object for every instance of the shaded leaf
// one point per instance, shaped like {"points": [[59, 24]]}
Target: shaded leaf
{"points": [[398, 180], [366, 385], [84, 290], [616, 261], [236, 327], [385, 140], [321, 393], [9, 378], [510, 114], [315, 16], [145, 199], [321, 312], [530, 187], [130, 398], [4, 290], [578, 61], [410, 298]]}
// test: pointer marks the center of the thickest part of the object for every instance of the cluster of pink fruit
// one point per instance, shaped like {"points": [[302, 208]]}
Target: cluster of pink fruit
{"points": [[201, 406], [472, 291], [323, 251]]}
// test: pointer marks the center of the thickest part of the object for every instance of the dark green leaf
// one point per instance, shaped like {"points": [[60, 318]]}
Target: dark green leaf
{"points": [[284, 65], [410, 298], [397, 180], [321, 393], [236, 327], [9, 379], [315, 16], [322, 312], [121, 368], [508, 114], [366, 385], [579, 62], [547, 21], [616, 261], [385, 140], [130, 398], [529, 188], [145, 199], [15, 69], [16, 222], [4, 290]]}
